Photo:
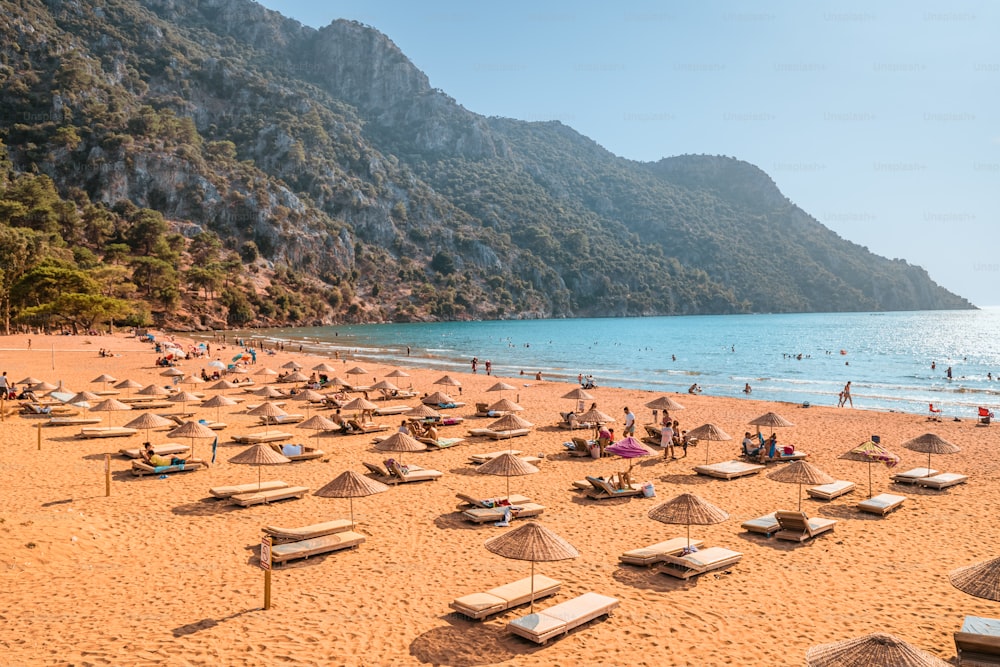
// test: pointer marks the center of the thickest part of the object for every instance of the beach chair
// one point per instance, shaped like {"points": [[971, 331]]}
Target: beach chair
{"points": [[881, 504], [354, 426], [441, 443], [766, 525], [388, 410], [943, 480], [602, 490], [106, 432], [797, 527], [282, 553], [517, 511], [699, 562], [478, 459], [72, 421], [729, 469], [581, 447], [140, 468], [487, 503], [168, 449], [298, 452], [780, 456], [978, 642], [255, 438], [237, 489], [652, 436], [563, 617], [499, 435], [478, 606], [654, 553], [265, 497], [830, 491], [911, 476], [985, 416], [309, 532], [281, 419], [935, 413], [412, 473]]}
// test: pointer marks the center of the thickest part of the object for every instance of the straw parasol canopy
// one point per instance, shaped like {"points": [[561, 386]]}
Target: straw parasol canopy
{"points": [[43, 386], [260, 455], [876, 649], [448, 381], [357, 370], [384, 385], [111, 405], [184, 397], [688, 509], [218, 402], [800, 472], [360, 404], [324, 368], [292, 365], [267, 409], [83, 397], [192, 380], [422, 412], [401, 443], [296, 376], [507, 465], [505, 405], [307, 396], [104, 379], [153, 390], [30, 381], [981, 579], [533, 542], [318, 423], [173, 372], [708, 432], [502, 386], [772, 420], [930, 443], [396, 373], [222, 385], [351, 485], [191, 430], [267, 391], [579, 394], [128, 386], [147, 421], [664, 403], [267, 373], [869, 452], [595, 416], [438, 398], [510, 422]]}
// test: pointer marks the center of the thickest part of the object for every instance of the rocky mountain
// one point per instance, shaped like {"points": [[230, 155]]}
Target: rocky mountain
{"points": [[353, 190]]}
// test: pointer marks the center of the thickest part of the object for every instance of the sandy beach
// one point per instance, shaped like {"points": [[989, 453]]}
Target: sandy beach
{"points": [[158, 573]]}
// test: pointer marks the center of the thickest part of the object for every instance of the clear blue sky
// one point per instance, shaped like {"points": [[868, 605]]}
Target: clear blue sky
{"points": [[879, 119]]}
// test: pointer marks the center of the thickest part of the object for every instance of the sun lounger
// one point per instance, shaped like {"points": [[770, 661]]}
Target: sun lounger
{"points": [[487, 503], [398, 476], [254, 438], [140, 468], [765, 525], [444, 406], [729, 469], [911, 476], [480, 605], [214, 426], [441, 443], [797, 527], [354, 427], [831, 491], [778, 457], [106, 432], [298, 452], [281, 553], [309, 532], [282, 419], [499, 435], [654, 553], [392, 410], [943, 480], [581, 447], [251, 406], [152, 405], [237, 489], [881, 504], [73, 421], [263, 497], [167, 449], [978, 642], [563, 617], [699, 562], [483, 458], [603, 490], [517, 511]]}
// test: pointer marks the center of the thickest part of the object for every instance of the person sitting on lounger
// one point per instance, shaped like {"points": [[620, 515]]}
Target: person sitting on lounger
{"points": [[338, 419], [430, 433], [157, 461], [403, 428], [771, 446], [748, 446]]}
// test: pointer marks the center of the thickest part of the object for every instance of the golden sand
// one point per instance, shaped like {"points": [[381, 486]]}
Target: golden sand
{"points": [[159, 574]]}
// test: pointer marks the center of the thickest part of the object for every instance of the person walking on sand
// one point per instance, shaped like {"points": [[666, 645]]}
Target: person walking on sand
{"points": [[629, 423], [667, 440], [847, 394]]}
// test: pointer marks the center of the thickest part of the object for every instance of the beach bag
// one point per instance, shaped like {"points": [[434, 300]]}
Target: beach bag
{"points": [[789, 450], [648, 491], [595, 451]]}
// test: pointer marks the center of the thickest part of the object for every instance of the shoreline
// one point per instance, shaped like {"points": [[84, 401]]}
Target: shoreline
{"points": [[157, 574]]}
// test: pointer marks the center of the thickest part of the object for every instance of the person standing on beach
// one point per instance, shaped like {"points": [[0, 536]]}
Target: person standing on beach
{"points": [[4, 387], [475, 363], [667, 440], [489, 367], [847, 395], [629, 423]]}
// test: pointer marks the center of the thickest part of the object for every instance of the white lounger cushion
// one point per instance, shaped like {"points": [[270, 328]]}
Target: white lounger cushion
{"points": [[831, 491], [563, 617], [943, 480], [881, 504]]}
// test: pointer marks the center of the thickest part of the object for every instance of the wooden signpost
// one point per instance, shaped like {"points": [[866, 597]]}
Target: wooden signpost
{"points": [[265, 564]]}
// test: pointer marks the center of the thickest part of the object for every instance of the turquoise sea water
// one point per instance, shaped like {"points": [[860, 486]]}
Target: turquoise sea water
{"points": [[887, 356]]}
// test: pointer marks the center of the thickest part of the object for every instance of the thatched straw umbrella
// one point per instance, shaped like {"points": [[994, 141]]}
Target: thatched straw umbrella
{"points": [[709, 432], [104, 379], [401, 443], [218, 402], [874, 650], [869, 452], [260, 455], [532, 542], [267, 410], [688, 509], [980, 579], [772, 420], [507, 465], [351, 485], [192, 430], [111, 405], [147, 421], [931, 443], [800, 472]]}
